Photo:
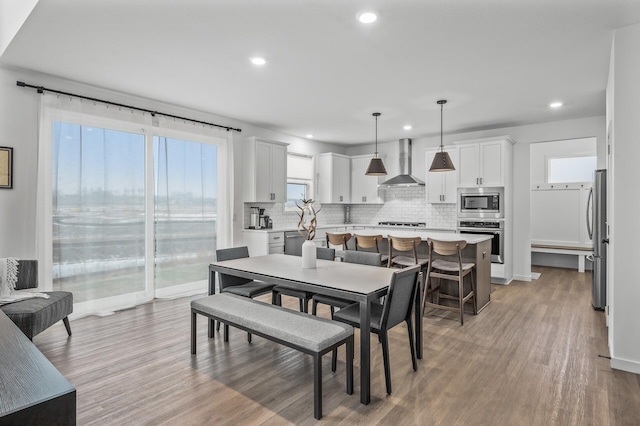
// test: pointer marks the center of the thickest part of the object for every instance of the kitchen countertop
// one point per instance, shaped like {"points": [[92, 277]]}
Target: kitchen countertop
{"points": [[425, 233], [358, 225], [398, 231]]}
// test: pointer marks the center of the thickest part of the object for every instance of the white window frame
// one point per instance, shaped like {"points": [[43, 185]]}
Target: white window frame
{"points": [[297, 180], [548, 160]]}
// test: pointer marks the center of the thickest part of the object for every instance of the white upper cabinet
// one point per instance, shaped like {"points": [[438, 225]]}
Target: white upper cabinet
{"points": [[364, 189], [265, 171], [484, 163], [442, 187], [333, 178]]}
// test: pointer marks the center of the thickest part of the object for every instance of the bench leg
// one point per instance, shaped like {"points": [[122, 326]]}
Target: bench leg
{"points": [[317, 386], [193, 332], [65, 321], [226, 332], [350, 366]]}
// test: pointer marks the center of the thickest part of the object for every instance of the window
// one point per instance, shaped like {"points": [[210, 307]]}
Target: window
{"points": [[571, 169], [299, 178]]}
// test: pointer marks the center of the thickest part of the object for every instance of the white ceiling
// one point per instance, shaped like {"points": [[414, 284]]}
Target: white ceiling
{"points": [[498, 62]]}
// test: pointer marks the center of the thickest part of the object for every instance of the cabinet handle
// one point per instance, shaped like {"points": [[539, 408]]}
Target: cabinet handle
{"points": [[276, 238], [480, 181], [477, 181], [341, 198], [364, 199]]}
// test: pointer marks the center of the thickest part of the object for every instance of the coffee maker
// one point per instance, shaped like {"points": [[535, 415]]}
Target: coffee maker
{"points": [[254, 217], [262, 223]]}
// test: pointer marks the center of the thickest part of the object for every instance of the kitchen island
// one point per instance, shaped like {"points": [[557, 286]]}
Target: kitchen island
{"points": [[478, 251]]}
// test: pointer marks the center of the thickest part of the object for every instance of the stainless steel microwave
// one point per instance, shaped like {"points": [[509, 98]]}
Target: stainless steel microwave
{"points": [[481, 202]]}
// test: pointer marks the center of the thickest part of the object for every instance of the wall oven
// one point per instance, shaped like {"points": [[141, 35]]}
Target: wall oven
{"points": [[493, 228], [481, 202]]}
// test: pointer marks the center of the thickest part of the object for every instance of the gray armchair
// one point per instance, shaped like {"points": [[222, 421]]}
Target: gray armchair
{"points": [[33, 316]]}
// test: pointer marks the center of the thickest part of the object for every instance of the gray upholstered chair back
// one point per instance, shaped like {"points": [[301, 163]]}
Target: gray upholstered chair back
{"points": [[230, 254], [27, 274], [399, 300], [362, 257], [326, 253]]}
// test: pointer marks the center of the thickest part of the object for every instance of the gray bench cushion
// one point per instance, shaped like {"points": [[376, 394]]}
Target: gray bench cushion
{"points": [[33, 316], [297, 328]]}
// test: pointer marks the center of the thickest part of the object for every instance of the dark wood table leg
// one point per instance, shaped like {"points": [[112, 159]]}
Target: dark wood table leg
{"points": [[365, 352], [212, 290]]}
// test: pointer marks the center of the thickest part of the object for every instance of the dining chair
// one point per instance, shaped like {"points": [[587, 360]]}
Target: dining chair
{"points": [[455, 270], [370, 242], [350, 256], [236, 285], [304, 296], [338, 240], [396, 308]]}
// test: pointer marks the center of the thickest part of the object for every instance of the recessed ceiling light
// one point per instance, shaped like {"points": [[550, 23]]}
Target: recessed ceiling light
{"points": [[258, 61], [367, 17], [407, 127], [309, 135], [555, 104]]}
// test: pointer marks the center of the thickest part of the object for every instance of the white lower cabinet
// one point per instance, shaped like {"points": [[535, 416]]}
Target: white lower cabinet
{"points": [[261, 243]]}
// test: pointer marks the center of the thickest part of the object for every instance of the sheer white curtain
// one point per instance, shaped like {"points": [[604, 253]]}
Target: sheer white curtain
{"points": [[106, 230]]}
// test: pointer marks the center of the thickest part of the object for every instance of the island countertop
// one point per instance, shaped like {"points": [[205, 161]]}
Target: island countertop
{"points": [[424, 234]]}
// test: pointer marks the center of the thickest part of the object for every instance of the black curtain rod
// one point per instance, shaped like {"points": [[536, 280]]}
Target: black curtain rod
{"points": [[42, 89]]}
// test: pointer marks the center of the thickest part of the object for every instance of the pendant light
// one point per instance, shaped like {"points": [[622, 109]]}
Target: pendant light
{"points": [[376, 167], [441, 161]]}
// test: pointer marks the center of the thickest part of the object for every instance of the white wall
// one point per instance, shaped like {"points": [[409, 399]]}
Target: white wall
{"points": [[623, 97], [19, 129], [523, 135]]}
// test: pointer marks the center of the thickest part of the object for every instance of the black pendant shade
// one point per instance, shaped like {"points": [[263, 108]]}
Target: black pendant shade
{"points": [[376, 167], [441, 161]]}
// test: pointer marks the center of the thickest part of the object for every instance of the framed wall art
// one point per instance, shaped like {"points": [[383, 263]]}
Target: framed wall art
{"points": [[6, 167]]}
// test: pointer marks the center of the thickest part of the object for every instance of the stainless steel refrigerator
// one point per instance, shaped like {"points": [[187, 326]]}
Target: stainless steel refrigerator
{"points": [[597, 227]]}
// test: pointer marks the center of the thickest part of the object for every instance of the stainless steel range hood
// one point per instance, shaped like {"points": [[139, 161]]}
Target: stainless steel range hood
{"points": [[405, 178]]}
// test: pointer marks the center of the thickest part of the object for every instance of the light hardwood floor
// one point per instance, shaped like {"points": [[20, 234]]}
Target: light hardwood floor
{"points": [[532, 357]]}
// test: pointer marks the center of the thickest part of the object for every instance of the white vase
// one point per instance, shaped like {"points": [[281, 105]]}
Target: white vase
{"points": [[308, 255]]}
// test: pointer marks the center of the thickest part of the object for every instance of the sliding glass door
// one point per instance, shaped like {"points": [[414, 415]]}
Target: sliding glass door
{"points": [[117, 239], [185, 213], [98, 211]]}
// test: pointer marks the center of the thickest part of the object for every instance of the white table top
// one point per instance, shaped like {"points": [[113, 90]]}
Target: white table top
{"points": [[351, 277]]}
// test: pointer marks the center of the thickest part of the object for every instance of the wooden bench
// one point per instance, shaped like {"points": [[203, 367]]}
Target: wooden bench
{"points": [[581, 252], [308, 334]]}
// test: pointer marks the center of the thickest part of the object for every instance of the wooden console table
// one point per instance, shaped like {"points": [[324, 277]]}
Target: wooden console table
{"points": [[32, 391]]}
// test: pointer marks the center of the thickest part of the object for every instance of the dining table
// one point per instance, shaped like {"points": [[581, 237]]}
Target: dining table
{"points": [[361, 284]]}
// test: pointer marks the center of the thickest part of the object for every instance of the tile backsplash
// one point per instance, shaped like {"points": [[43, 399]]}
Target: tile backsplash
{"points": [[401, 204]]}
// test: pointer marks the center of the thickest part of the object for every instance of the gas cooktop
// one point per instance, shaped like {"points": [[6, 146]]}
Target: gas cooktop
{"points": [[407, 224]]}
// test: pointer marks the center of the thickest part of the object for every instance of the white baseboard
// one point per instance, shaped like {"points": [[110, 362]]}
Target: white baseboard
{"points": [[625, 365], [518, 277]]}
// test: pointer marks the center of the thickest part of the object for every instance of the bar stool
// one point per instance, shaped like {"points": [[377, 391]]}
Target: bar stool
{"points": [[410, 246], [369, 242], [338, 240], [449, 270], [405, 244]]}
